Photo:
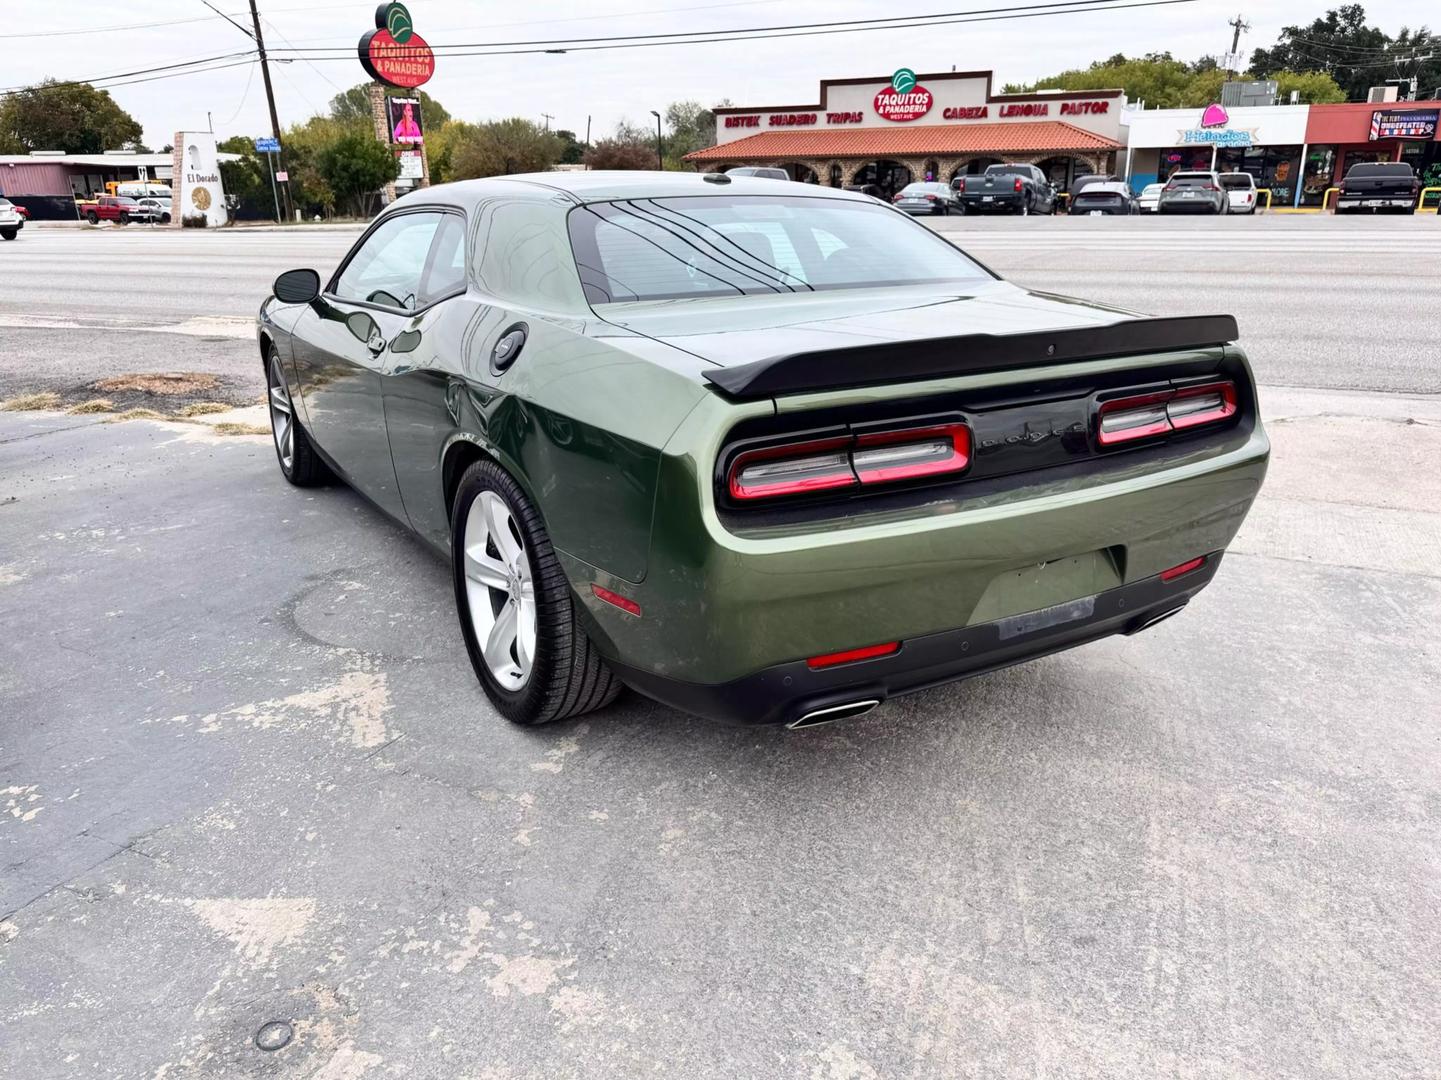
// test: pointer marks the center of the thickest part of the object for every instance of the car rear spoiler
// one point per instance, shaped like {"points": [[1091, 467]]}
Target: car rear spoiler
{"points": [[934, 358]]}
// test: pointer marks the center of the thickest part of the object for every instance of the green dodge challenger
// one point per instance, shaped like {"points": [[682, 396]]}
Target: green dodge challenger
{"points": [[766, 452]]}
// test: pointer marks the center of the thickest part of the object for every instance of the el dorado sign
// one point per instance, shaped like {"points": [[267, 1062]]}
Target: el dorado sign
{"points": [[393, 52], [904, 99]]}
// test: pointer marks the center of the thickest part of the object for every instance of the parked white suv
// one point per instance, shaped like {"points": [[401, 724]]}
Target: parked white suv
{"points": [[1240, 189]]}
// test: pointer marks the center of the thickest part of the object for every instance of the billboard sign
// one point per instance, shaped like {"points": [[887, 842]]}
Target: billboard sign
{"points": [[904, 99], [1403, 124], [404, 121], [393, 52]]}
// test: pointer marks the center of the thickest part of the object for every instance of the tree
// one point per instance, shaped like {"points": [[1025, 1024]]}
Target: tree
{"points": [[501, 148], [571, 148], [689, 127], [1163, 82], [1357, 56], [246, 179], [353, 106], [73, 117], [622, 152], [356, 166]]}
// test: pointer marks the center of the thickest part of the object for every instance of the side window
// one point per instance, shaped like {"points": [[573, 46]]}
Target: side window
{"points": [[446, 273], [389, 266]]}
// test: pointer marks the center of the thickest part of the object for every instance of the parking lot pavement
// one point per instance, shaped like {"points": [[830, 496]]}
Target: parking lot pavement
{"points": [[246, 775]]}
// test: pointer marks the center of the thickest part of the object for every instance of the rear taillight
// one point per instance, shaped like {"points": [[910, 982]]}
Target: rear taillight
{"points": [[1209, 187], [1146, 415], [1019, 186], [930, 198], [905, 455], [793, 469], [881, 457]]}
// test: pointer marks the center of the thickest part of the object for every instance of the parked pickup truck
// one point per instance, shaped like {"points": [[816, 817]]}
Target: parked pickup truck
{"points": [[116, 208], [1379, 186], [1020, 189]]}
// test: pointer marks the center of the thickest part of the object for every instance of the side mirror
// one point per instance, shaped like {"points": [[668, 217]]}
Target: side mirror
{"points": [[297, 286]]}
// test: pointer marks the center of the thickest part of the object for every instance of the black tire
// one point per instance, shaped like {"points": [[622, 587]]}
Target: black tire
{"points": [[165, 219], [92, 217], [124, 218], [9, 234], [567, 676], [306, 468]]}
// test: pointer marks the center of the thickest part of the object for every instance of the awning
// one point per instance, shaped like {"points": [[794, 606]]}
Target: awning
{"points": [[925, 140]]}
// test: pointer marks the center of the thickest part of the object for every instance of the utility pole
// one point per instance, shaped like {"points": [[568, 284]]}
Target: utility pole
{"points": [[548, 119], [270, 97], [1240, 24], [659, 146]]}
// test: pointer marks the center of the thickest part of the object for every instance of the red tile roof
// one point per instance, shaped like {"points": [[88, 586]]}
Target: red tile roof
{"points": [[1030, 137]]}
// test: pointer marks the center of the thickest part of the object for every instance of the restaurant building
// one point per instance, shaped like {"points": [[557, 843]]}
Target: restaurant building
{"points": [[892, 130], [1267, 141]]}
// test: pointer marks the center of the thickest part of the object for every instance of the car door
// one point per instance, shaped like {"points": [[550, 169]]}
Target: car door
{"points": [[341, 347]]}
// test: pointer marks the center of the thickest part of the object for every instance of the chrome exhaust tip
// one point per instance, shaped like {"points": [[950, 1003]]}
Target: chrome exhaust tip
{"points": [[831, 713], [1146, 624]]}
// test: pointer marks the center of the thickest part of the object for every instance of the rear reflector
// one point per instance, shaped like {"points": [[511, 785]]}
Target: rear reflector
{"points": [[1126, 419], [1185, 568], [849, 656], [627, 605]]}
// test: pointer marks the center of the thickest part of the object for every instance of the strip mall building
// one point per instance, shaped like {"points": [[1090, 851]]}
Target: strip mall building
{"points": [[890, 131]]}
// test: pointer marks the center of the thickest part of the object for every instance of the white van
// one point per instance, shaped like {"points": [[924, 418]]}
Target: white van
{"points": [[1240, 189]]}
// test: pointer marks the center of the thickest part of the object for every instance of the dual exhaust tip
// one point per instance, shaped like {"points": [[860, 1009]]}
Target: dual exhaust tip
{"points": [[831, 713]]}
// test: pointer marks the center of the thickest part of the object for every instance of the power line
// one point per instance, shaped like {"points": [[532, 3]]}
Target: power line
{"points": [[894, 22], [127, 74]]}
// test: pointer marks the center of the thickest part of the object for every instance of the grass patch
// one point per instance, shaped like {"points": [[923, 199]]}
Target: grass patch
{"points": [[94, 405], [137, 414], [163, 383], [27, 402], [230, 427], [205, 408]]}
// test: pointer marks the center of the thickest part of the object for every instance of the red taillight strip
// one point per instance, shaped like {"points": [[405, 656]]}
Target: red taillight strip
{"points": [[1185, 568], [850, 656], [852, 467], [843, 476], [958, 435], [630, 607], [1159, 413]]}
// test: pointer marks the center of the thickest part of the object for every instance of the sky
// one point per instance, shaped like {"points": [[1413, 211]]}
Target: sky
{"points": [[604, 87]]}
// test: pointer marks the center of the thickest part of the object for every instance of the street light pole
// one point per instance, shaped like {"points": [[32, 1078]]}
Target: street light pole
{"points": [[659, 146]]}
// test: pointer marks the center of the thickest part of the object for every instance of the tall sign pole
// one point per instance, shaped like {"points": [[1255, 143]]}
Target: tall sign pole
{"points": [[269, 95], [394, 55]]}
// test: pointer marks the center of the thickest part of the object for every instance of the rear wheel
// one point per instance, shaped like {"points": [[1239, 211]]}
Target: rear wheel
{"points": [[520, 623], [299, 463], [9, 234]]}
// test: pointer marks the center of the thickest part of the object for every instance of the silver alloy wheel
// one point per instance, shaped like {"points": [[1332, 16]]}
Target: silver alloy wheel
{"points": [[282, 415], [500, 589]]}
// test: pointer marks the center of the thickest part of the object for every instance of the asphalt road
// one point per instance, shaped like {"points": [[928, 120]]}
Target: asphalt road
{"points": [[1322, 301], [246, 775]]}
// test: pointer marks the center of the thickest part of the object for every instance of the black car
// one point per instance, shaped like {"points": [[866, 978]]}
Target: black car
{"points": [[1104, 198]]}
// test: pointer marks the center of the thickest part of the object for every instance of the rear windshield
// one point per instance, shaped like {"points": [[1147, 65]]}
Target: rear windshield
{"points": [[923, 189], [1191, 180], [741, 245], [1380, 170], [1008, 170], [1236, 180]]}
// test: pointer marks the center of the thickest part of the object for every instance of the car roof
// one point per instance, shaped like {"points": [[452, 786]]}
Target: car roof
{"points": [[606, 186]]}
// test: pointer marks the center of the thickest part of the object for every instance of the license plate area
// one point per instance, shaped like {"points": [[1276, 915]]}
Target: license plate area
{"points": [[1055, 584], [1056, 615]]}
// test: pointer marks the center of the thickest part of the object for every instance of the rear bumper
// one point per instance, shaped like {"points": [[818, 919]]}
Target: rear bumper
{"points": [[787, 693], [1205, 206], [1010, 200], [1375, 202]]}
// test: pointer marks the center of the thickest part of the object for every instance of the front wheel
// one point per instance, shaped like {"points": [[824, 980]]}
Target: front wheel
{"points": [[520, 624], [92, 217], [9, 234], [124, 218]]}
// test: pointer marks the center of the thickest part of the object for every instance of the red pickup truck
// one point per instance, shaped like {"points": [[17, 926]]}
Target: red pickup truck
{"points": [[116, 208]]}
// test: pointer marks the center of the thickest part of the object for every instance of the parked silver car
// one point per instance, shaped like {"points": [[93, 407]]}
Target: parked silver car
{"points": [[1193, 193], [762, 171]]}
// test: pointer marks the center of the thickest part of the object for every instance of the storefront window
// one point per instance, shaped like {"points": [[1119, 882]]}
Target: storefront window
{"points": [[1320, 167], [1274, 168], [1183, 159]]}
